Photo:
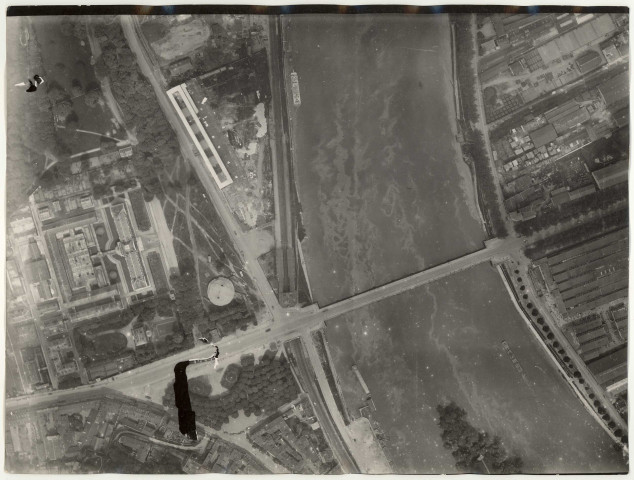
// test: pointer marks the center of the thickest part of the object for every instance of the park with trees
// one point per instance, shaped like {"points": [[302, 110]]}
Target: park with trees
{"points": [[30, 125], [255, 388], [157, 147]]}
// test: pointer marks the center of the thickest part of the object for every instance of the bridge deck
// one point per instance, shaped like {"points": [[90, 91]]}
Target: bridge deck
{"points": [[494, 248]]}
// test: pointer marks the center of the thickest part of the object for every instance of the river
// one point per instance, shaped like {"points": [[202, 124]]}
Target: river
{"points": [[383, 188], [384, 193], [443, 342]]}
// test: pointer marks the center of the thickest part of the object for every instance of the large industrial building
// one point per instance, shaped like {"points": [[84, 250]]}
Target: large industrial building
{"points": [[590, 275], [188, 113], [586, 33], [611, 370], [615, 89], [588, 61], [611, 175], [566, 116], [544, 135]]}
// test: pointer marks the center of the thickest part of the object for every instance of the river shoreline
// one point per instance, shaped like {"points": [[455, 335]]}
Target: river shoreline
{"points": [[554, 361], [377, 158], [465, 168]]}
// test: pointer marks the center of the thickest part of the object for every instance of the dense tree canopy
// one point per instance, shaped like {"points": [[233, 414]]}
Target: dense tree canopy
{"points": [[30, 127], [473, 449], [157, 145], [259, 388]]}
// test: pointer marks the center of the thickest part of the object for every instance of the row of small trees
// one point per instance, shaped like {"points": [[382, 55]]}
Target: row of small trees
{"points": [[558, 349], [599, 200], [188, 302], [583, 232]]}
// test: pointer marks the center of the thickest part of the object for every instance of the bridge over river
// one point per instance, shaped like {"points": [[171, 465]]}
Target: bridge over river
{"points": [[289, 323], [495, 250]]}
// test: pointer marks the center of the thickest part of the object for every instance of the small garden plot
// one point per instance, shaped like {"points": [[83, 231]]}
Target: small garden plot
{"points": [[154, 30], [111, 269], [200, 386], [163, 328]]}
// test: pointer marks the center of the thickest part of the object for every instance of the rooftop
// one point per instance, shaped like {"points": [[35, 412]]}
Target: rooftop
{"points": [[615, 359], [589, 60], [612, 174], [543, 135], [616, 88]]}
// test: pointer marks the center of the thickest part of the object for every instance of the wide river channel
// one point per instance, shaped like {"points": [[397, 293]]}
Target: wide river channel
{"points": [[384, 193]]}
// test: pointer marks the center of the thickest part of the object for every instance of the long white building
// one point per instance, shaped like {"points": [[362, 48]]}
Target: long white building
{"points": [[188, 114]]}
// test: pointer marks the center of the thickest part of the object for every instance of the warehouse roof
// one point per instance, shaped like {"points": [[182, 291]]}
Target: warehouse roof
{"points": [[616, 88], [577, 38], [613, 360], [560, 198], [180, 66], [582, 192], [612, 174], [543, 135], [561, 110], [588, 61], [570, 119]]}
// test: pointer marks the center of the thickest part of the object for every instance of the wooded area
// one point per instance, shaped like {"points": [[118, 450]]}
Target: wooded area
{"points": [[259, 388], [474, 451], [157, 147], [30, 126]]}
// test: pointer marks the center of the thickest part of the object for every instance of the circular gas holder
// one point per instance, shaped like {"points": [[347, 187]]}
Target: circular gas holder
{"points": [[220, 291]]}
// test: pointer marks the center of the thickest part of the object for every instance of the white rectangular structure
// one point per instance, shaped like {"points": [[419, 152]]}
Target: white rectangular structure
{"points": [[189, 99], [220, 174]]}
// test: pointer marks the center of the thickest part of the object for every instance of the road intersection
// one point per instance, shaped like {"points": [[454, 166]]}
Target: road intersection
{"points": [[279, 324], [289, 323]]}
